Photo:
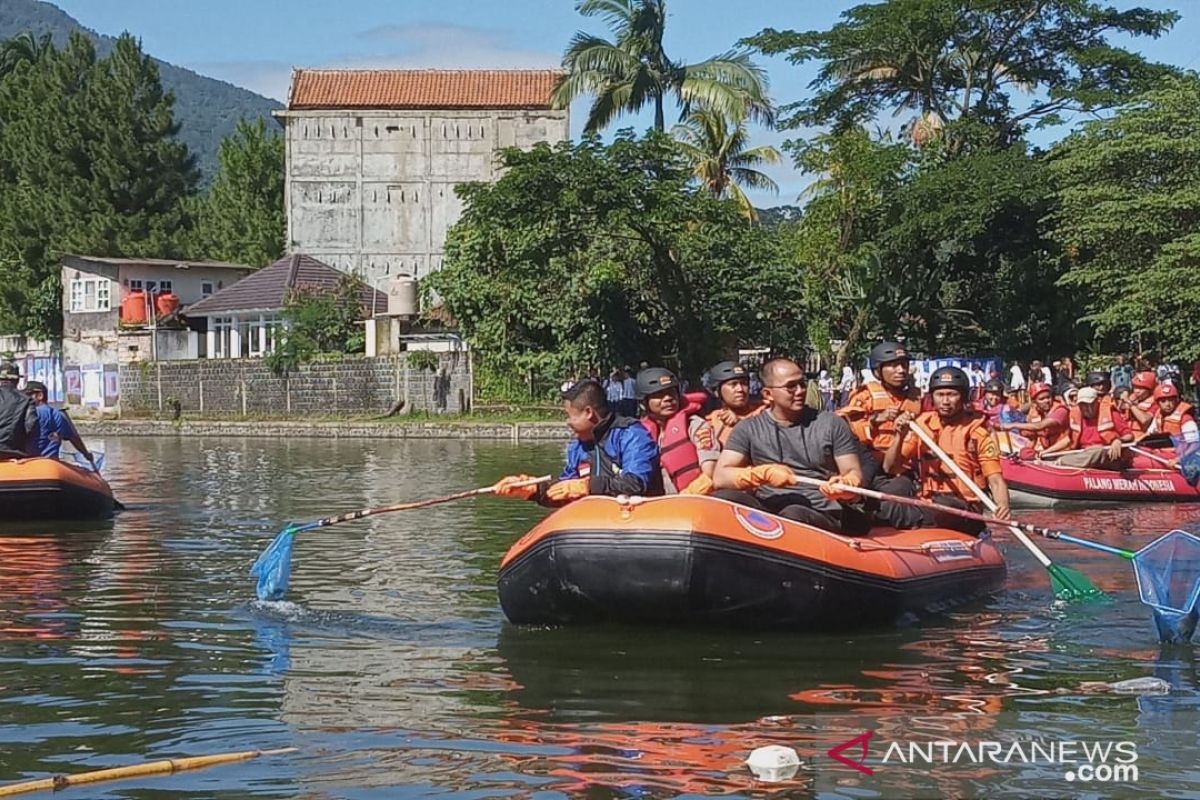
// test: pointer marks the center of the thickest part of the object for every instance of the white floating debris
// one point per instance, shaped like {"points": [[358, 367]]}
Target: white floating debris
{"points": [[774, 763], [1141, 686]]}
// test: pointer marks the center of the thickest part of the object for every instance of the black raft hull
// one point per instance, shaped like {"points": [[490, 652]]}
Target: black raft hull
{"points": [[693, 561]]}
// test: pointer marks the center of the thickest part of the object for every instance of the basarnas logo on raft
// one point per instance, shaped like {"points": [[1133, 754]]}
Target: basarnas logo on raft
{"points": [[1082, 761]]}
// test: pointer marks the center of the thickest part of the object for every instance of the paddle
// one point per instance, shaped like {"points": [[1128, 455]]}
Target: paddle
{"points": [[1153, 440], [917, 502], [273, 568], [167, 766], [1067, 584], [1167, 569]]}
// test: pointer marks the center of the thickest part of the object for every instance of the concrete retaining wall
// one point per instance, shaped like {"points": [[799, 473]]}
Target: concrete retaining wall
{"points": [[246, 387], [531, 431]]}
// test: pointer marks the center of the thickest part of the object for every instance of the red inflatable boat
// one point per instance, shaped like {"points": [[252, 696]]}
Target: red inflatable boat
{"points": [[702, 561], [1041, 483]]}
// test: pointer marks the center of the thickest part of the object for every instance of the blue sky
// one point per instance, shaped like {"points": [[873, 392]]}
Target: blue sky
{"points": [[256, 43]]}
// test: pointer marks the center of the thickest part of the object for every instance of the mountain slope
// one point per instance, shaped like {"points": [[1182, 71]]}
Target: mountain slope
{"points": [[207, 109]]}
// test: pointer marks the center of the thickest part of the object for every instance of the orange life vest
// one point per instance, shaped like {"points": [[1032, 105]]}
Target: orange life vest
{"points": [[722, 430], [1105, 425], [1173, 424], [1045, 438], [1148, 406], [878, 436], [676, 451], [959, 442]]}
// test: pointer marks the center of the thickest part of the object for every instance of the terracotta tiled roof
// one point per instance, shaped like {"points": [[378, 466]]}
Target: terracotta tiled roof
{"points": [[267, 289], [421, 88]]}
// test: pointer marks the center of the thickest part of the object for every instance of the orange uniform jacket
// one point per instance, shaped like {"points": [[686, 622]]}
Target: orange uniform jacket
{"points": [[1044, 439], [722, 430], [967, 441], [868, 401]]}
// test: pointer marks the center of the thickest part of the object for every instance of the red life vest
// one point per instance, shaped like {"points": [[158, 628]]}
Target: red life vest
{"points": [[676, 452], [1104, 423], [1043, 439], [1173, 424]]}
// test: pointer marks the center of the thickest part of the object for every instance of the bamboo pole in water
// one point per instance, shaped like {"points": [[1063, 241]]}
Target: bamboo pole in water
{"points": [[167, 766]]}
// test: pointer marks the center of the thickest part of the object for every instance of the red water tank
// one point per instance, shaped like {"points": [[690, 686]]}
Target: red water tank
{"points": [[133, 308], [165, 304]]}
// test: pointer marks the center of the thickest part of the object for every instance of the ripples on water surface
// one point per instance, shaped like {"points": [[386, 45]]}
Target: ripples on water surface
{"points": [[394, 673]]}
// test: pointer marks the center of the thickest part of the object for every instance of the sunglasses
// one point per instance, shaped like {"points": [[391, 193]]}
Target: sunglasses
{"points": [[791, 386]]}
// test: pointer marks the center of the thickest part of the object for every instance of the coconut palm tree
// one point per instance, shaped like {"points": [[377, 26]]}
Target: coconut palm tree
{"points": [[716, 147], [23, 47], [633, 70]]}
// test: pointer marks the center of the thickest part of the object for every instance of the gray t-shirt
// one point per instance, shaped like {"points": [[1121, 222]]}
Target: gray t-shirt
{"points": [[808, 447]]}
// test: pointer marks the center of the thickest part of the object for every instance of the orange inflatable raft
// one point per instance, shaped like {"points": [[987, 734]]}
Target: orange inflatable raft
{"points": [[686, 560], [46, 488]]}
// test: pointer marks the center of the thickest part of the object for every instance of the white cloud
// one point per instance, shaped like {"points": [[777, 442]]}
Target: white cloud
{"points": [[413, 46]]}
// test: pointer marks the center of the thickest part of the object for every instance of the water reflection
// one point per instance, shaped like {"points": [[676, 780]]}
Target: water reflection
{"points": [[392, 669]]}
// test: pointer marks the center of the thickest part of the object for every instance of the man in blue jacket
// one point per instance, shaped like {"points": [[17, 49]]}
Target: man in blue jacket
{"points": [[610, 455], [54, 426]]}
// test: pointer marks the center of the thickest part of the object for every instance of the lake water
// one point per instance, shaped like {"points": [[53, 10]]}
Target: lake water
{"points": [[394, 673]]}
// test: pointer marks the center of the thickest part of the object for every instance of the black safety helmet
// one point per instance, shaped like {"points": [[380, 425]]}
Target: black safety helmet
{"points": [[886, 352], [727, 371], [9, 371], [994, 386], [654, 379], [1098, 378], [950, 378], [35, 386]]}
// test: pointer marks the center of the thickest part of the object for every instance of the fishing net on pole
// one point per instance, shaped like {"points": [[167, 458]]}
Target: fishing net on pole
{"points": [[1168, 577]]}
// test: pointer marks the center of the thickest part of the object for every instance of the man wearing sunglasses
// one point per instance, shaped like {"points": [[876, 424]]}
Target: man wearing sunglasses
{"points": [[765, 452]]}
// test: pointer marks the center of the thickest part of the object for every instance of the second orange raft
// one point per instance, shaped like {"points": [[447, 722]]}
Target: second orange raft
{"points": [[703, 561]]}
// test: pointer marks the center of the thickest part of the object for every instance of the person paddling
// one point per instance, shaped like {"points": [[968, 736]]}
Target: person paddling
{"points": [[1139, 406], [1173, 416], [610, 454], [686, 446], [765, 452], [18, 417], [873, 409], [962, 433], [1048, 422], [731, 382], [1097, 431], [54, 426]]}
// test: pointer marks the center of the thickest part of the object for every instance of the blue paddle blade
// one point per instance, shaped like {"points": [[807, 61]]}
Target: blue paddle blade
{"points": [[83, 462], [274, 567], [1188, 454]]}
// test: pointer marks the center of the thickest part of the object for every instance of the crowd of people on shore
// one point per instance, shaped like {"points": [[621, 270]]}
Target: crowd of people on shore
{"points": [[775, 447]]}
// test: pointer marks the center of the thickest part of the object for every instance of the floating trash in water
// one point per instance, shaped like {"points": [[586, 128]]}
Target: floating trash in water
{"points": [[1139, 686], [774, 763]]}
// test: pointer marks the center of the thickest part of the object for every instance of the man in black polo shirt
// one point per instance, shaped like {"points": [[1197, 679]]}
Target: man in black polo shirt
{"points": [[764, 452]]}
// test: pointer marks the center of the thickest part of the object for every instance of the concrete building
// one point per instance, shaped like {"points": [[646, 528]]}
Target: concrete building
{"points": [[245, 320], [96, 340], [373, 157]]}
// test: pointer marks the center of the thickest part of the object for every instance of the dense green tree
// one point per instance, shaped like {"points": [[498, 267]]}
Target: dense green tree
{"points": [[845, 299], [241, 218], [634, 70], [962, 242], [943, 60], [715, 146], [24, 48], [88, 164], [321, 320], [586, 255], [1128, 219]]}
